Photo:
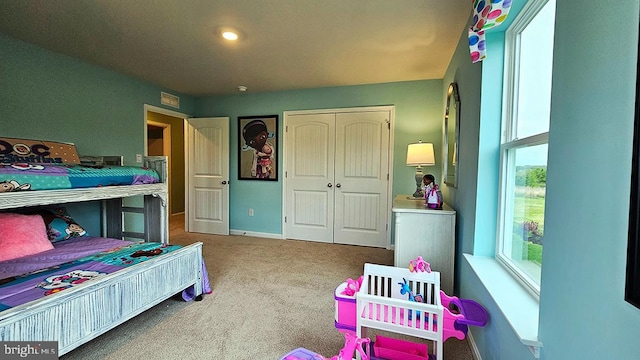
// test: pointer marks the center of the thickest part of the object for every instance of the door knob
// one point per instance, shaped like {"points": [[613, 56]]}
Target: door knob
{"points": [[224, 183], [329, 185], [338, 185]]}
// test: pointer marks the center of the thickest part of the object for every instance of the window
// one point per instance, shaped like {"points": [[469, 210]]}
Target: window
{"points": [[525, 136]]}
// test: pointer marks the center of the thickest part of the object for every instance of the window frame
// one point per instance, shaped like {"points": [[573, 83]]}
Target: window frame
{"points": [[509, 142]]}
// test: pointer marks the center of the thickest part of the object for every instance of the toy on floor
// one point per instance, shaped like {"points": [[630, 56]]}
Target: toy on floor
{"points": [[374, 301], [464, 312], [352, 345]]}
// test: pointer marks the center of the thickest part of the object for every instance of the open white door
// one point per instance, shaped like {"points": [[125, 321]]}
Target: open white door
{"points": [[207, 162]]}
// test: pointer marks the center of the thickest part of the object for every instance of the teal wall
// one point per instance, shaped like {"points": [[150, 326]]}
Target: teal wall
{"points": [[49, 96], [418, 116], [583, 314], [45, 95], [462, 198]]}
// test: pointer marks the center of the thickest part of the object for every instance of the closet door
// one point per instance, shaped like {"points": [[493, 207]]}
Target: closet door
{"points": [[361, 177], [309, 176]]}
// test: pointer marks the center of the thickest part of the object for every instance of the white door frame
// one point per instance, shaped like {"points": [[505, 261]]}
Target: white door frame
{"points": [[162, 111], [167, 112], [390, 108], [166, 151]]}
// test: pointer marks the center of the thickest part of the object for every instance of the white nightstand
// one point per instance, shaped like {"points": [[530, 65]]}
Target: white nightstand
{"points": [[425, 232]]}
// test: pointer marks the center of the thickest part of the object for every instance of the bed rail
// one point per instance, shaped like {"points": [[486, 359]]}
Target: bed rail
{"points": [[77, 315]]}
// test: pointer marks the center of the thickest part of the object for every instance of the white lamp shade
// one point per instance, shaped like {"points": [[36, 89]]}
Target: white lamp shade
{"points": [[420, 154]]}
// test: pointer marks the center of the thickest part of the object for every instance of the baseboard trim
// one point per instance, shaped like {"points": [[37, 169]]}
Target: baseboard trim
{"points": [[474, 348], [255, 234]]}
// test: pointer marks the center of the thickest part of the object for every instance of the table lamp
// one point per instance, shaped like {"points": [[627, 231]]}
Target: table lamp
{"points": [[419, 154]]}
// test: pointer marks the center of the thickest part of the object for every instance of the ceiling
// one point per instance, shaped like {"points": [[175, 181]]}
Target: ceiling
{"points": [[283, 45]]}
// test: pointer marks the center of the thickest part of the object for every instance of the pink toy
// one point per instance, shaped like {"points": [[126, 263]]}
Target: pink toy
{"points": [[396, 349], [345, 305], [378, 307], [353, 286], [468, 311], [352, 344], [418, 265], [367, 303]]}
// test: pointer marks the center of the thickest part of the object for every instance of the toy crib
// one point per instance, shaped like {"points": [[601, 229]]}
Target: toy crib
{"points": [[401, 301], [381, 305]]}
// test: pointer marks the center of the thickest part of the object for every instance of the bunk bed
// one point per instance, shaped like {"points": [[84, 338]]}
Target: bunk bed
{"points": [[95, 305]]}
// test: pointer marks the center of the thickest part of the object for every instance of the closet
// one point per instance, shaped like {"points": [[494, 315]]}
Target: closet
{"points": [[337, 175]]}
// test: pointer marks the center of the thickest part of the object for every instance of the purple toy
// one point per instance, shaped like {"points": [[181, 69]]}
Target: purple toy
{"points": [[466, 312], [352, 344]]}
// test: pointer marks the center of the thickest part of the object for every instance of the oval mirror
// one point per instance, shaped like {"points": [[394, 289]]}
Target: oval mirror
{"points": [[451, 136]]}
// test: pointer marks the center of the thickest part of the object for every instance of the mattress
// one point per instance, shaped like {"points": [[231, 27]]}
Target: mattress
{"points": [[69, 265], [36, 176]]}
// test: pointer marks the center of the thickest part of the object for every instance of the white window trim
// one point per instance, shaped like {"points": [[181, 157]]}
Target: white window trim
{"points": [[511, 72], [523, 279]]}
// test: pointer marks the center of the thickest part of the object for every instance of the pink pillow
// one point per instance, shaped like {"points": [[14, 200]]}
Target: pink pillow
{"points": [[22, 235]]}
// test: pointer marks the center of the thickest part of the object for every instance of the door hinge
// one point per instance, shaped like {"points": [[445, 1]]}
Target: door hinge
{"points": [[286, 128], [388, 125], [285, 219], [387, 176], [285, 173]]}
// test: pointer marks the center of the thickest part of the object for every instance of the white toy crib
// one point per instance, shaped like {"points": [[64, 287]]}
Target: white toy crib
{"points": [[381, 305]]}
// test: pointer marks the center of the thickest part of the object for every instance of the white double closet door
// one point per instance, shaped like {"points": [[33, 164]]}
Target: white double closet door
{"points": [[337, 175]]}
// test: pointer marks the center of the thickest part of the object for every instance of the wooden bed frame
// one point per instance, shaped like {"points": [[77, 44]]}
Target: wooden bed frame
{"points": [[69, 316]]}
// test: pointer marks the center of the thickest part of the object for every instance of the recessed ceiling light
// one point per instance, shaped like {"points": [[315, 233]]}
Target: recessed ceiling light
{"points": [[230, 35]]}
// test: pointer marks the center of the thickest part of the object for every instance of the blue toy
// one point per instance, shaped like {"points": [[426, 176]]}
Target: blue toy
{"points": [[404, 289]]}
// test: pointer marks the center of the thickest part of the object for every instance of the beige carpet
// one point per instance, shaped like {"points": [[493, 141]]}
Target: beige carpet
{"points": [[269, 297]]}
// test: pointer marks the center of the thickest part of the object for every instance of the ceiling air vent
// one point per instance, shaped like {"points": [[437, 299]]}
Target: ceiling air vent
{"points": [[170, 100]]}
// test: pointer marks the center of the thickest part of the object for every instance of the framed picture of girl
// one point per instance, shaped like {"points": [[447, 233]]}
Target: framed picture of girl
{"points": [[257, 147]]}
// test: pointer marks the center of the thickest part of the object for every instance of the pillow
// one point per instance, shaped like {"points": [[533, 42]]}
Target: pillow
{"points": [[61, 226], [22, 235]]}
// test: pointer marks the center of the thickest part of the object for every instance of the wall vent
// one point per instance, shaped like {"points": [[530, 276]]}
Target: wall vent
{"points": [[169, 100]]}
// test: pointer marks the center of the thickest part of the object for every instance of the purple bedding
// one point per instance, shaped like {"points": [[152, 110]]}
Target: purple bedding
{"points": [[63, 251], [21, 283]]}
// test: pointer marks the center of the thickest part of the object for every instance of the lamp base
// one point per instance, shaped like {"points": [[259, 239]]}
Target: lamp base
{"points": [[418, 178]]}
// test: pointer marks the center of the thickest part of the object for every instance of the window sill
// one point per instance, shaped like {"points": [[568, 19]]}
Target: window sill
{"points": [[518, 306]]}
